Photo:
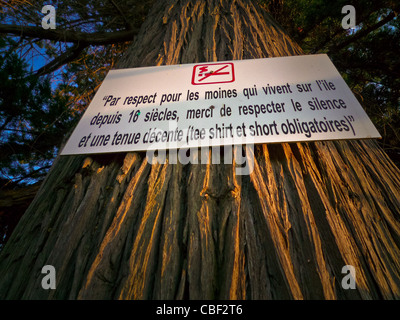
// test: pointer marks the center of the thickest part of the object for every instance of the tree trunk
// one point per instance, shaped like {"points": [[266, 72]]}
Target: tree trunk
{"points": [[116, 227]]}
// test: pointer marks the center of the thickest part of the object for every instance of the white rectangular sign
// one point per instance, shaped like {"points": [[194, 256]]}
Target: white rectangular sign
{"points": [[297, 98]]}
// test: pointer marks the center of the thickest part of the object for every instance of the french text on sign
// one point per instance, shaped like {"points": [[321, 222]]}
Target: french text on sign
{"points": [[246, 102], [213, 73]]}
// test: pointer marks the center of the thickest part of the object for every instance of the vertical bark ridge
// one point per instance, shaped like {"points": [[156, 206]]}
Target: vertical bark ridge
{"points": [[170, 263], [138, 284], [112, 243]]}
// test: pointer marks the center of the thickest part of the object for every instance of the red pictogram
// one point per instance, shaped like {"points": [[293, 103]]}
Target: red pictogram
{"points": [[213, 73]]}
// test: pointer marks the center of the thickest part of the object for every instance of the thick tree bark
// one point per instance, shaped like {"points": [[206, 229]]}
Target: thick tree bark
{"points": [[116, 227]]}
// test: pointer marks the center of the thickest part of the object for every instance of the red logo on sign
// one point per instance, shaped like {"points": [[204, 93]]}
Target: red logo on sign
{"points": [[213, 73]]}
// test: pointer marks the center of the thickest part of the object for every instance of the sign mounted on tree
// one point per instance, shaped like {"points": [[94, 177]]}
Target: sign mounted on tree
{"points": [[288, 99]]}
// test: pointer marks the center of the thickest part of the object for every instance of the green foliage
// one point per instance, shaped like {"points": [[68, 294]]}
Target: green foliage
{"points": [[33, 120], [38, 113], [373, 69]]}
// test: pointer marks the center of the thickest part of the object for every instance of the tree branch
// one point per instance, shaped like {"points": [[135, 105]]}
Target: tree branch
{"points": [[67, 56], [362, 33], [95, 38]]}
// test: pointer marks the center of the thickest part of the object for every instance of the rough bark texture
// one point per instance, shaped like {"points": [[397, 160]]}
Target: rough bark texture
{"points": [[116, 227]]}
